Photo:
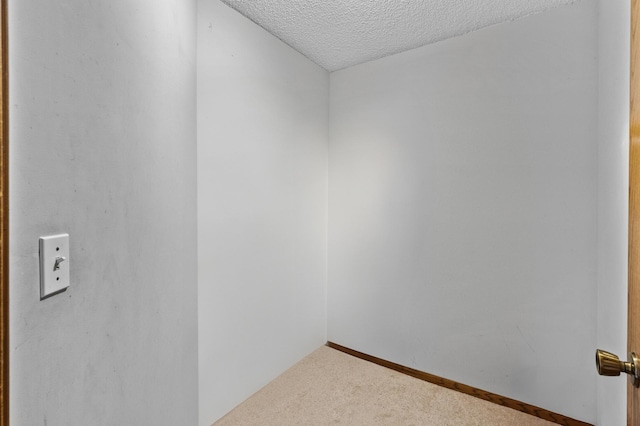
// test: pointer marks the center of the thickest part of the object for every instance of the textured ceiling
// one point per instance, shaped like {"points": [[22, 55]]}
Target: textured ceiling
{"points": [[339, 33]]}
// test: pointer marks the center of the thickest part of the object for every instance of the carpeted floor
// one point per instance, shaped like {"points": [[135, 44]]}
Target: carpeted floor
{"points": [[329, 387]]}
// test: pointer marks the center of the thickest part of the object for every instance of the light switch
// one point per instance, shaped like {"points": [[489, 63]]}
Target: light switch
{"points": [[54, 264]]}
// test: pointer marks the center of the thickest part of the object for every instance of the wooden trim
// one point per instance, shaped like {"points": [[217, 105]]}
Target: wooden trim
{"points": [[4, 218], [633, 329], [469, 390]]}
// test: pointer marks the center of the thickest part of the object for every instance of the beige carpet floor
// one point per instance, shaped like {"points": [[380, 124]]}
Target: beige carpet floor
{"points": [[329, 387]]}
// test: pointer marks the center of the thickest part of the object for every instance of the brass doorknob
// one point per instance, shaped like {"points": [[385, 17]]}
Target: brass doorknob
{"points": [[609, 364]]}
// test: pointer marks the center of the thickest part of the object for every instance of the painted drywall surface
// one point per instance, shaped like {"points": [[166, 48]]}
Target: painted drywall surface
{"points": [[262, 197], [103, 146], [613, 182], [463, 208]]}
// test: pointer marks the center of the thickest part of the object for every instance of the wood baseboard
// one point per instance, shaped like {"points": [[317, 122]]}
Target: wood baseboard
{"points": [[469, 390]]}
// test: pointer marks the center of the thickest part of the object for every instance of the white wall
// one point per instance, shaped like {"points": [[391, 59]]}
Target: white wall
{"points": [[102, 122], [463, 208], [262, 195], [103, 146], [613, 183]]}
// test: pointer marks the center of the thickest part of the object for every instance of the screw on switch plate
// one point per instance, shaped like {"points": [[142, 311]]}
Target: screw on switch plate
{"points": [[54, 265]]}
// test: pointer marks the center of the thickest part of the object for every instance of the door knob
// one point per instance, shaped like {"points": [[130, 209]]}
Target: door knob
{"points": [[609, 364]]}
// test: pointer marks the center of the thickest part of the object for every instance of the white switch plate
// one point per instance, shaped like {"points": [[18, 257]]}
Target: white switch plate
{"points": [[54, 264]]}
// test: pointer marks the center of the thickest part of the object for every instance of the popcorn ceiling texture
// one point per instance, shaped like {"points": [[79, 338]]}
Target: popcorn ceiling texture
{"points": [[337, 34]]}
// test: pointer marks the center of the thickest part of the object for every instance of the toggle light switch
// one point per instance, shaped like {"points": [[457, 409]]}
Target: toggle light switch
{"points": [[54, 264]]}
